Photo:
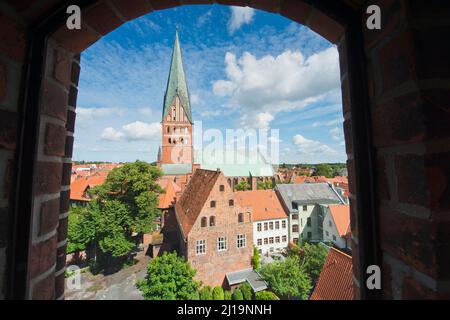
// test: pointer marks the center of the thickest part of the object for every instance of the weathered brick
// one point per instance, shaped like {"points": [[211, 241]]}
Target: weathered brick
{"points": [[354, 217], [43, 256], [70, 124], [55, 140], [61, 257], [345, 89], [64, 201], [410, 239], [130, 10], [348, 136], [399, 120], [414, 290], [8, 132], [47, 177], [102, 18], [398, 63], [62, 229], [411, 182], [160, 5], [75, 73], [382, 179], [12, 39], [44, 289], [61, 68], [49, 216], [296, 10], [54, 100], [75, 40], [73, 93], [2, 82], [267, 5], [325, 26], [66, 173], [69, 147], [438, 180], [343, 61], [59, 285]]}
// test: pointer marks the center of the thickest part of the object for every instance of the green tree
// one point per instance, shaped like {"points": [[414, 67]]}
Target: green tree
{"points": [[113, 229], [287, 278], [237, 295], [246, 290], [227, 295], [265, 295], [242, 186], [206, 293], [324, 170], [80, 231], [134, 185], [312, 257], [255, 259], [169, 277], [218, 293]]}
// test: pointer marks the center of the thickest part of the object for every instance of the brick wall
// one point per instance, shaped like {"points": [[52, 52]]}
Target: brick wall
{"points": [[408, 88], [212, 266], [409, 96]]}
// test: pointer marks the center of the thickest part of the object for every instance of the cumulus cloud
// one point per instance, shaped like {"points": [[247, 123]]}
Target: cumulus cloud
{"points": [[278, 83], [239, 17], [307, 146], [135, 131], [111, 134]]}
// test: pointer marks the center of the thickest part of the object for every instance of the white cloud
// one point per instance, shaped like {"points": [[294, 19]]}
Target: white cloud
{"points": [[278, 83], [239, 17], [111, 134], [307, 146], [337, 134], [142, 131], [261, 121], [135, 131]]}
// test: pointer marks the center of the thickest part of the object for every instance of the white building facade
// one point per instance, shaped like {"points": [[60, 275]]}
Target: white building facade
{"points": [[271, 236]]}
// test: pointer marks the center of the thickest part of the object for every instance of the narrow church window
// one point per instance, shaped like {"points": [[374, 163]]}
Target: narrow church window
{"points": [[204, 221], [168, 129], [241, 217], [212, 221], [170, 140]]}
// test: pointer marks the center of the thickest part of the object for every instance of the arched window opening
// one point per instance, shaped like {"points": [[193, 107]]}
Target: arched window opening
{"points": [[204, 222]]}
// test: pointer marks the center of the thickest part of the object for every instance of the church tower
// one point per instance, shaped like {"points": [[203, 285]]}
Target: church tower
{"points": [[176, 116]]}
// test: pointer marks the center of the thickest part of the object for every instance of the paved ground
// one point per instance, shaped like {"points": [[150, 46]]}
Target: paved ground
{"points": [[118, 286]]}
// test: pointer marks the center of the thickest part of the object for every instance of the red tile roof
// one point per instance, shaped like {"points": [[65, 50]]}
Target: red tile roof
{"points": [[335, 281], [191, 202], [171, 188], [265, 204], [78, 187], [341, 217]]}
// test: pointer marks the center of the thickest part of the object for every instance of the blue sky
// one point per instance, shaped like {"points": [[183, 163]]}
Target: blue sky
{"points": [[245, 69]]}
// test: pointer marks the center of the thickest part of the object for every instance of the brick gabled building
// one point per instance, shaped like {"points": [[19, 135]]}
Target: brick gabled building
{"points": [[214, 232]]}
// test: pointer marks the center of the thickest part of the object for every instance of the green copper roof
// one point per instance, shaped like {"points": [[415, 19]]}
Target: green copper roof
{"points": [[176, 84]]}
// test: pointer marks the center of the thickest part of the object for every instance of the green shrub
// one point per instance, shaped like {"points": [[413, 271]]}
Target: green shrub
{"points": [[246, 290], [237, 295], [206, 293], [227, 295], [218, 293], [265, 295]]}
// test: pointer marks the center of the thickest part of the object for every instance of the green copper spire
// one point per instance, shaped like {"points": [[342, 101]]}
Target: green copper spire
{"points": [[176, 84]]}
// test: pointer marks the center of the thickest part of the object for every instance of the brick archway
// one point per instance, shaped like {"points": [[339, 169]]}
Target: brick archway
{"points": [[381, 72]]}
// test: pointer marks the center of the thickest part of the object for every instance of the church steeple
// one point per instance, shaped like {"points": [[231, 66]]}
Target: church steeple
{"points": [[176, 84]]}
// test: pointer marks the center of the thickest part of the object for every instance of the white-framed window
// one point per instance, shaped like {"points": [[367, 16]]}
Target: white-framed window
{"points": [[259, 242], [200, 247], [259, 226], [241, 240], [283, 224], [277, 225], [221, 243]]}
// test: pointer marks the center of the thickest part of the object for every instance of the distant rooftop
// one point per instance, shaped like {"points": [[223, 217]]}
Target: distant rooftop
{"points": [[308, 193], [249, 275]]}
